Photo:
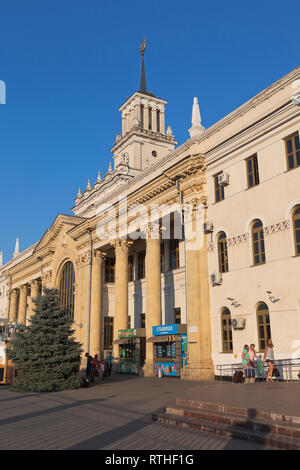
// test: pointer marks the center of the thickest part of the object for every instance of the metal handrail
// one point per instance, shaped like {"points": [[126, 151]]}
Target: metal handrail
{"points": [[287, 367]]}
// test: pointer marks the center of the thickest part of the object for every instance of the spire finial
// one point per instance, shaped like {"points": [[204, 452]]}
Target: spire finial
{"points": [[16, 252], [197, 129], [143, 86], [79, 192], [99, 177], [1, 259]]}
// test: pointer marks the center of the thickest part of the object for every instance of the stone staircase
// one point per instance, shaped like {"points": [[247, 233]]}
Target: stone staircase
{"points": [[264, 427]]}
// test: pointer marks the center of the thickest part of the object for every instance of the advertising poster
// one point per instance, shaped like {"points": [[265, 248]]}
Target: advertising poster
{"points": [[184, 350], [168, 369]]}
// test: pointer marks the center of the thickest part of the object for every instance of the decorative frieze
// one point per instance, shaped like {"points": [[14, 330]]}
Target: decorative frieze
{"points": [[238, 239], [277, 227]]}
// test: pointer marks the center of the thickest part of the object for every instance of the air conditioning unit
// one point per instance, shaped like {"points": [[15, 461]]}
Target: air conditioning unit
{"points": [[223, 178], [216, 279], [238, 323], [208, 227]]}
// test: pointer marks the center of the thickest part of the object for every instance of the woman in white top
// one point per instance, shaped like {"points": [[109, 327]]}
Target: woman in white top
{"points": [[269, 357]]}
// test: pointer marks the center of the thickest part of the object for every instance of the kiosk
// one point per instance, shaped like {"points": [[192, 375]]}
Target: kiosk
{"points": [[169, 349], [132, 350]]}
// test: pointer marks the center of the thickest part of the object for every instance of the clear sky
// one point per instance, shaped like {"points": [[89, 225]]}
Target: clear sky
{"points": [[69, 64]]}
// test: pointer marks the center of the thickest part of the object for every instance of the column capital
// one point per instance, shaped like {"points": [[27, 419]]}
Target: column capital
{"points": [[83, 259], [14, 292], [98, 256], [122, 245], [34, 283], [24, 288]]}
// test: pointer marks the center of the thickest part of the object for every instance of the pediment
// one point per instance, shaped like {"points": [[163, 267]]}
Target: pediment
{"points": [[61, 225]]}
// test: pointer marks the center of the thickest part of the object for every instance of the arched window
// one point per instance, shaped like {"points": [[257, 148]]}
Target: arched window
{"points": [[258, 243], [222, 252], [66, 288], [227, 346], [296, 227], [263, 325]]}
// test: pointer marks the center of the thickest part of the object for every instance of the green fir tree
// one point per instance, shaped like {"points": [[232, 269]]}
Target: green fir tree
{"points": [[45, 353]]}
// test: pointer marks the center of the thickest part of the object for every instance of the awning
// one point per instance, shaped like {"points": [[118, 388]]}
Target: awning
{"points": [[161, 339], [124, 341]]}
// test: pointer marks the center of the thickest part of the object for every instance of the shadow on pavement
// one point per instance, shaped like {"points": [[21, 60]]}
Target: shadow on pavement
{"points": [[106, 438], [57, 409]]}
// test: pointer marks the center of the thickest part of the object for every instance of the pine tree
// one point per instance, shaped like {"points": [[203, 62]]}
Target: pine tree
{"points": [[45, 353]]}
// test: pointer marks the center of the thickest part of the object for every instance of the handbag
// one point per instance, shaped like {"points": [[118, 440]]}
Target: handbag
{"points": [[275, 372]]}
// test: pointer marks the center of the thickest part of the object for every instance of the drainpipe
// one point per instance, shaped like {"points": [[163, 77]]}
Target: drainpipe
{"points": [[90, 287], [185, 269]]}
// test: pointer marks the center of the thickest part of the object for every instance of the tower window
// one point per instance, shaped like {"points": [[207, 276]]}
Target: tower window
{"points": [[142, 116], [150, 118]]}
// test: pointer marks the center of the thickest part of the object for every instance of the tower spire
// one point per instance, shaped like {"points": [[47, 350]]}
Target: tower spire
{"points": [[143, 86]]}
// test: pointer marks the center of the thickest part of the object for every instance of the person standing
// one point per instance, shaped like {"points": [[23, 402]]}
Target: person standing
{"points": [[246, 361], [253, 356], [269, 358]]}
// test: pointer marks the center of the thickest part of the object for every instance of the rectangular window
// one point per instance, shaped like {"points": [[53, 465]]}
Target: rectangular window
{"points": [[108, 332], [219, 189], [177, 315], [143, 320], [174, 254], [130, 268], [252, 171], [141, 264], [292, 148], [110, 269]]}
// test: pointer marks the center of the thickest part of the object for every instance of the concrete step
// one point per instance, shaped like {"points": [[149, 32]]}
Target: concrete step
{"points": [[250, 413], [237, 432], [252, 424]]}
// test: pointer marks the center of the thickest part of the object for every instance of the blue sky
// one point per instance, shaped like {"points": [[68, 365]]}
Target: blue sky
{"points": [[68, 65]]}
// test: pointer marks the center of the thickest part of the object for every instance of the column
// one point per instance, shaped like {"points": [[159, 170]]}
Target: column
{"points": [[200, 364], [13, 313], [82, 299], [153, 292], [154, 120], [121, 289], [96, 302], [23, 305], [146, 120], [34, 295], [162, 121], [123, 124]]}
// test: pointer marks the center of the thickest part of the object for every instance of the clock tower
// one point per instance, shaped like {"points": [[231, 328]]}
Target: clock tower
{"points": [[144, 139]]}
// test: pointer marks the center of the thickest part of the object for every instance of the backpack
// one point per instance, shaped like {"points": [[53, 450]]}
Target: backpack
{"points": [[237, 377]]}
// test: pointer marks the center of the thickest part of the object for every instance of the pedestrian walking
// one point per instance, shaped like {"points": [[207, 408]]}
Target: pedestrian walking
{"points": [[88, 372], [108, 365], [246, 361], [269, 358]]}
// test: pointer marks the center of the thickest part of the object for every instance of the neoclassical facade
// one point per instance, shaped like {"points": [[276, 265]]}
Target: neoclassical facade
{"points": [[245, 257]]}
